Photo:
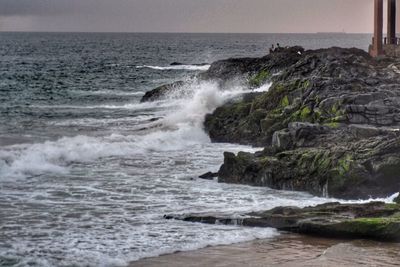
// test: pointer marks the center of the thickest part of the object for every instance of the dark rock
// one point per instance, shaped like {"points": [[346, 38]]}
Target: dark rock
{"points": [[282, 140], [161, 92], [240, 169], [225, 70], [375, 220], [366, 131], [201, 64], [154, 119], [358, 170], [209, 175], [306, 130], [329, 124]]}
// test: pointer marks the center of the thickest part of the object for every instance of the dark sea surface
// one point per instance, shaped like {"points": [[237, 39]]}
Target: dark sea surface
{"points": [[87, 171]]}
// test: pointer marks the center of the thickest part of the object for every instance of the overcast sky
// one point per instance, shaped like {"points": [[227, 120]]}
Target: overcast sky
{"points": [[187, 15]]}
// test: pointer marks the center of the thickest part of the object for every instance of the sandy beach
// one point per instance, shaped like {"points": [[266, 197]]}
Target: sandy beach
{"points": [[286, 250]]}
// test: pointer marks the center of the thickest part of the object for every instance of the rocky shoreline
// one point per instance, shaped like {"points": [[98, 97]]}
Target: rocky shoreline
{"points": [[329, 125]]}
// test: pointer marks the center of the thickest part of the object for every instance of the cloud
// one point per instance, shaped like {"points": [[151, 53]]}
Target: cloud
{"points": [[190, 15], [33, 7]]}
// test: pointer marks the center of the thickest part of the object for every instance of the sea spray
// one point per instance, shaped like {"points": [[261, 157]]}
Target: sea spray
{"points": [[181, 128], [205, 98]]}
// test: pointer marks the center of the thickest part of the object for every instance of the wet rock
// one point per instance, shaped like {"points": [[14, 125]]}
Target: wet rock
{"points": [[240, 169], [234, 68], [375, 220], [282, 140], [366, 131], [161, 92], [328, 124], [305, 130], [209, 175]]}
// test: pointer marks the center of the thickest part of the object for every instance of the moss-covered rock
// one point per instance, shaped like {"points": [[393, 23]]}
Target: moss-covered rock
{"points": [[375, 220], [339, 147], [259, 78]]}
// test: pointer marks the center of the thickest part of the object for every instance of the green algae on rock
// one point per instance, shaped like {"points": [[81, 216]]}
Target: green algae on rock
{"points": [[259, 78], [329, 124], [375, 220]]}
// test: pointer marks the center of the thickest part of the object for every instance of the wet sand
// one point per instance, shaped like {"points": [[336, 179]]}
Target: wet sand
{"points": [[287, 250]]}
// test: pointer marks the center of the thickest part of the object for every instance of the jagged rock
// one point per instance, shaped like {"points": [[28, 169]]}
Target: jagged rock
{"points": [[366, 131], [282, 140], [239, 169], [376, 220], [161, 91], [329, 123], [305, 130], [225, 70]]}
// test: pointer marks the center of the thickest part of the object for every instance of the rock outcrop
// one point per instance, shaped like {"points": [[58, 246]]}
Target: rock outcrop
{"points": [[376, 220], [329, 124], [162, 92]]}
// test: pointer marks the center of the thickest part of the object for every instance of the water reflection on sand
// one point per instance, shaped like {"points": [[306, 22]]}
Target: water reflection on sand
{"points": [[287, 250]]}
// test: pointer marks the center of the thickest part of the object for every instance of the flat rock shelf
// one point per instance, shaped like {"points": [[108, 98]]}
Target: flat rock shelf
{"points": [[374, 220]]}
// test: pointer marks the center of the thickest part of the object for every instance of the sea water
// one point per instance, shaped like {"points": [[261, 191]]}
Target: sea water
{"points": [[87, 171]]}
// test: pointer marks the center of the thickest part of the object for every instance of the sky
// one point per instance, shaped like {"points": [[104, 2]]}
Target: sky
{"points": [[253, 16]]}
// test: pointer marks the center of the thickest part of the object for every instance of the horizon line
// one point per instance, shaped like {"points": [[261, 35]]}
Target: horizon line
{"points": [[172, 32]]}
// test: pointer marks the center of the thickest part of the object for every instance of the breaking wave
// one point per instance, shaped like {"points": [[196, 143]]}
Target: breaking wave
{"points": [[181, 128]]}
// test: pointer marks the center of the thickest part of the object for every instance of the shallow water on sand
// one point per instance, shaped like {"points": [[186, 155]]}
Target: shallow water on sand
{"points": [[286, 251]]}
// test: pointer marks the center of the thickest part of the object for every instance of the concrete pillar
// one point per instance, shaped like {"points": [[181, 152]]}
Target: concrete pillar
{"points": [[391, 24], [376, 48]]}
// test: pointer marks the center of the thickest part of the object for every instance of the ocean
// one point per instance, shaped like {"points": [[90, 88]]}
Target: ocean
{"points": [[87, 171]]}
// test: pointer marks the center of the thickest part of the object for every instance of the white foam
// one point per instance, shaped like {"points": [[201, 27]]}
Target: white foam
{"points": [[263, 88], [213, 235], [131, 106], [206, 98], [182, 128], [203, 98], [178, 67], [389, 199], [55, 156], [103, 121]]}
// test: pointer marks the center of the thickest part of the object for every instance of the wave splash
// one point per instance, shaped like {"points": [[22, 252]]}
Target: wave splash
{"points": [[181, 128]]}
